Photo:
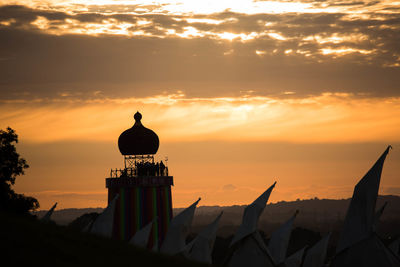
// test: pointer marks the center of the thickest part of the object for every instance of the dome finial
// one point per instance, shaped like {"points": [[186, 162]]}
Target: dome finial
{"points": [[137, 116], [138, 140]]}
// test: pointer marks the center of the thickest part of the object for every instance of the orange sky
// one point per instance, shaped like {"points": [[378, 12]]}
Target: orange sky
{"points": [[241, 93]]}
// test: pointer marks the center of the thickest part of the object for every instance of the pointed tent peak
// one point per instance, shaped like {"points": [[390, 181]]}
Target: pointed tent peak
{"points": [[54, 206], [213, 224], [175, 238], [279, 240], [200, 249], [48, 214], [316, 255], [220, 215], [378, 215], [296, 258], [194, 204], [360, 217], [251, 216], [263, 198], [141, 237], [384, 206]]}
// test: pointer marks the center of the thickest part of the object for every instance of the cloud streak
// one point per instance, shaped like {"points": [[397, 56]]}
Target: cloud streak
{"points": [[329, 117]]}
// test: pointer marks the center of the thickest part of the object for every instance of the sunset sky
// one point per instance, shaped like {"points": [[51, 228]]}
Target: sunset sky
{"points": [[241, 94]]}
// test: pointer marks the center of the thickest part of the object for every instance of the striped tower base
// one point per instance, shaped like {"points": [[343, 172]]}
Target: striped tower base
{"points": [[141, 200]]}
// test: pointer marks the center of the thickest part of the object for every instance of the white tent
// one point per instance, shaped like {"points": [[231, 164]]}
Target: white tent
{"points": [[251, 216], [295, 259], [175, 239], [48, 214], [360, 217], [202, 246], [316, 255], [141, 237], [103, 225], [377, 217], [370, 252], [250, 251], [279, 241], [358, 244]]}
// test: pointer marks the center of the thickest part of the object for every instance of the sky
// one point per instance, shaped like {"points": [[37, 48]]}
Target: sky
{"points": [[241, 94]]}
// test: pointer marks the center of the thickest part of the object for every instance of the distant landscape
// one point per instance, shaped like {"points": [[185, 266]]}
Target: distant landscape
{"points": [[320, 215]]}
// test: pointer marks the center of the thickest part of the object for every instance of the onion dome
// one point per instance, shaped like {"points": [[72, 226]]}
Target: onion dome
{"points": [[138, 140]]}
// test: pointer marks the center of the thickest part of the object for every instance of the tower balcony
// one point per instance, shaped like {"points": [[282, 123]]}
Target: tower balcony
{"points": [[133, 177]]}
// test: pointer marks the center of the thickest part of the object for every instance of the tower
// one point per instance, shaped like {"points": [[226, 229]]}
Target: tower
{"points": [[143, 185]]}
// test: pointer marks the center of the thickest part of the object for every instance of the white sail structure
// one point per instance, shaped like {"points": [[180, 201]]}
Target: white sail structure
{"points": [[251, 216], [316, 255], [103, 225], [175, 239], [295, 259], [47, 216], [358, 224], [250, 251], [370, 252], [141, 237], [202, 246], [279, 241], [377, 217]]}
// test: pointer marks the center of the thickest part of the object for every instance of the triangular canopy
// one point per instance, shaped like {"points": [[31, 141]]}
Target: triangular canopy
{"points": [[175, 239], [358, 224], [295, 259], [141, 237], [251, 216], [279, 241], [48, 214], [103, 224], [316, 255], [370, 252], [202, 247], [250, 251], [378, 215]]}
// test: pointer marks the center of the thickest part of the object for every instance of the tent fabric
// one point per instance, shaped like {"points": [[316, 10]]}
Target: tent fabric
{"points": [[279, 241], [250, 251], [395, 247], [141, 237], [316, 255], [370, 252], [203, 244], [48, 214], [378, 215], [295, 259], [175, 239], [103, 225], [251, 216], [358, 224]]}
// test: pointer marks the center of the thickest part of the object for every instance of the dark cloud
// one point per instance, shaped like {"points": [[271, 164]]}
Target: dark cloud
{"points": [[36, 63]]}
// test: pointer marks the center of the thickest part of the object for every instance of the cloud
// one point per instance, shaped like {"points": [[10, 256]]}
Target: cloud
{"points": [[229, 187], [329, 117], [127, 53]]}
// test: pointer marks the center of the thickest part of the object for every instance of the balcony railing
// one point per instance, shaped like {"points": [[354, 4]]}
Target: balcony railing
{"points": [[140, 171]]}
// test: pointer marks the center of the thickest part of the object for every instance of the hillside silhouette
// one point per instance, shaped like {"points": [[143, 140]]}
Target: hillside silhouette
{"points": [[28, 242], [319, 215]]}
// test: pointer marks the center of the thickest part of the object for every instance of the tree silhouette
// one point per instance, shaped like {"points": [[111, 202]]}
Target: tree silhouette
{"points": [[11, 166]]}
